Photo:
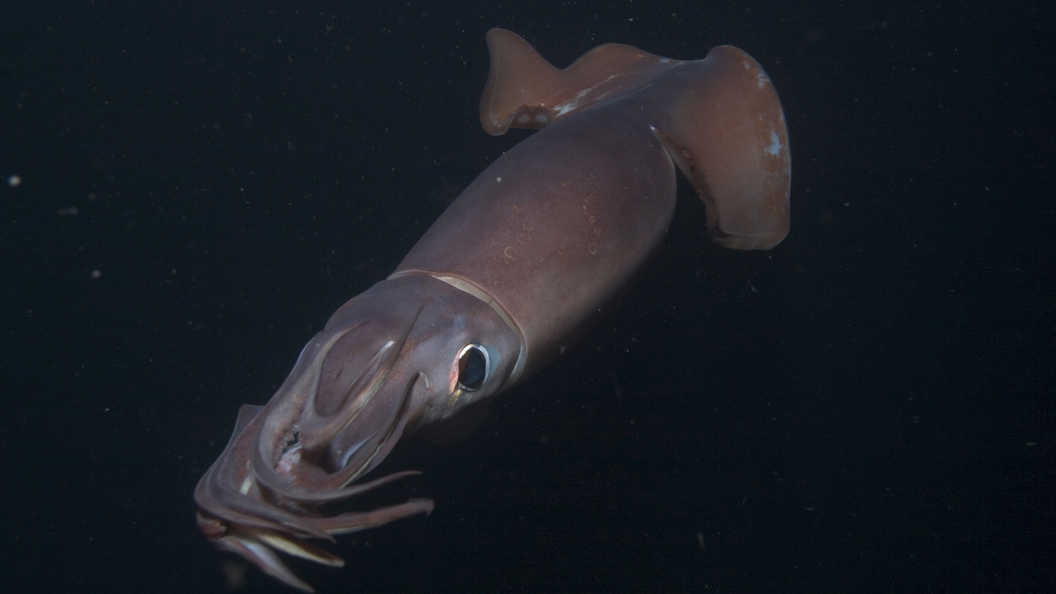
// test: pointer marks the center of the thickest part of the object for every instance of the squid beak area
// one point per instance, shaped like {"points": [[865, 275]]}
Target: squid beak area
{"points": [[241, 514], [275, 482]]}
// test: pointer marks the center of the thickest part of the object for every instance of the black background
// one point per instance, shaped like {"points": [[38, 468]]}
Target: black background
{"points": [[867, 407]]}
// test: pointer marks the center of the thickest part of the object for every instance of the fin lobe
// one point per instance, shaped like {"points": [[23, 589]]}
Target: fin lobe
{"points": [[729, 138], [525, 91]]}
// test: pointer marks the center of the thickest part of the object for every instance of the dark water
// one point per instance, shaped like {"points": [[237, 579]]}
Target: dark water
{"points": [[867, 408]]}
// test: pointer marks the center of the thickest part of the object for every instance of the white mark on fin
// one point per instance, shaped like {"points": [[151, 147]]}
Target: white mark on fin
{"points": [[775, 144], [574, 103]]}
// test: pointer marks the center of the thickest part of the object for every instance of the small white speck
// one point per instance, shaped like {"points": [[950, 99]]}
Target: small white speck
{"points": [[14, 181], [96, 274], [498, 180]]}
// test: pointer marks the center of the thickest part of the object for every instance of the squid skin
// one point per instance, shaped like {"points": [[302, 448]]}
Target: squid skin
{"points": [[508, 276]]}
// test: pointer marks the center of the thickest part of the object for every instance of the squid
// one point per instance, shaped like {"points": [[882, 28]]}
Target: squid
{"points": [[509, 275]]}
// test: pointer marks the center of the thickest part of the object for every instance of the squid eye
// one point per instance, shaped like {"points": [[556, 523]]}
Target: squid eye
{"points": [[472, 367]]}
